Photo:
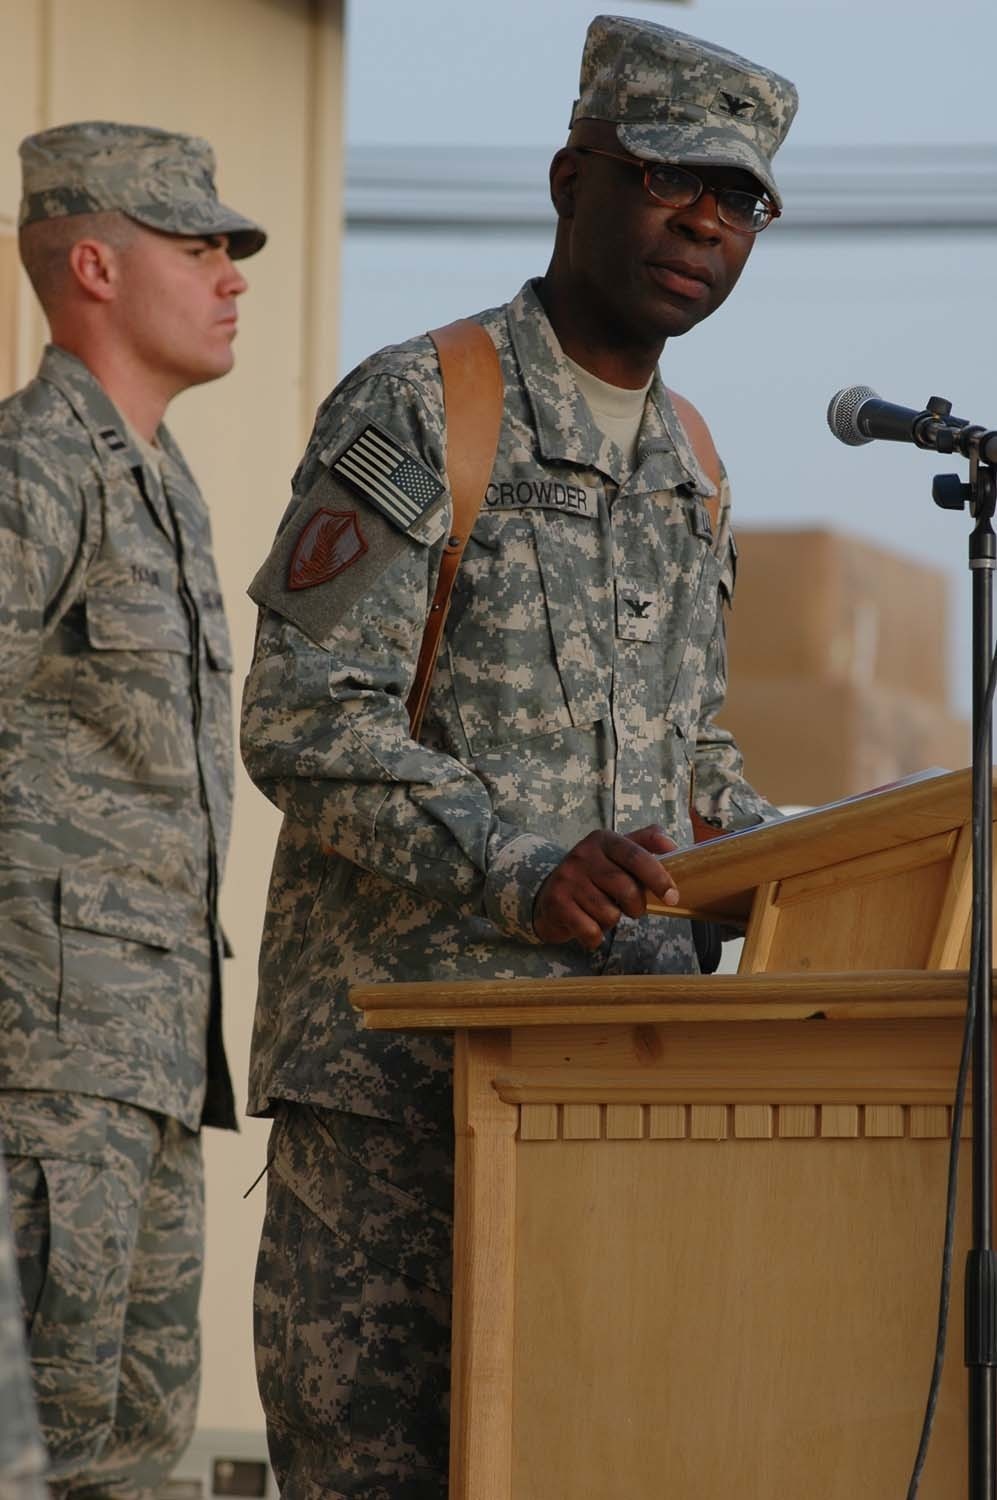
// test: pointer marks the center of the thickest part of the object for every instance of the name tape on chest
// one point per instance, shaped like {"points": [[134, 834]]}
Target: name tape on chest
{"points": [[390, 479], [541, 494]]}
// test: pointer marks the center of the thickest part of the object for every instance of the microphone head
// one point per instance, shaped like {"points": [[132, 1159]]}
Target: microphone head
{"points": [[842, 414]]}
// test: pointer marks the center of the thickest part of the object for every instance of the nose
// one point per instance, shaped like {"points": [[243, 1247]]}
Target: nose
{"points": [[699, 221], [231, 282]]}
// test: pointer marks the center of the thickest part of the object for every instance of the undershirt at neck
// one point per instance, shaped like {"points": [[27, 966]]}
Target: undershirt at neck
{"points": [[151, 453], [616, 411]]}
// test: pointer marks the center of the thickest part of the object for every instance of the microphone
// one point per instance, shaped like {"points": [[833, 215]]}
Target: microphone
{"points": [[858, 415]]}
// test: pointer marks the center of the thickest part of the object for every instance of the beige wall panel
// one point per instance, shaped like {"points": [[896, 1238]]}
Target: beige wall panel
{"points": [[10, 281], [21, 48], [324, 226], [260, 79], [23, 38]]}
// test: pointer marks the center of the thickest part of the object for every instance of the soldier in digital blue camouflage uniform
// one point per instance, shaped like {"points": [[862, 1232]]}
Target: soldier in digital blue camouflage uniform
{"points": [[115, 792], [574, 700]]}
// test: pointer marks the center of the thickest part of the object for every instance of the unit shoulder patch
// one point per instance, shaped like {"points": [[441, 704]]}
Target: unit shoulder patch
{"points": [[328, 544], [330, 552], [388, 477]]}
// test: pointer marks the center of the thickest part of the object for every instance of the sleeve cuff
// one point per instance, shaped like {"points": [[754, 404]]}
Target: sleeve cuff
{"points": [[750, 813], [513, 880]]}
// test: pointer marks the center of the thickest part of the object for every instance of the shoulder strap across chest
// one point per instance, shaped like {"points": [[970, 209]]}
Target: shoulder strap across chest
{"points": [[701, 440], [473, 393]]}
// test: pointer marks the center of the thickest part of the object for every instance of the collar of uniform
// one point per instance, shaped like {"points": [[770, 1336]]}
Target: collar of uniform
{"points": [[177, 479], [665, 457], [566, 429], [91, 403], [107, 427]]}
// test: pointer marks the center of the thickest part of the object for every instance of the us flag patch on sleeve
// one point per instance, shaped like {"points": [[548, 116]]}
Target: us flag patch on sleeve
{"points": [[400, 487]]}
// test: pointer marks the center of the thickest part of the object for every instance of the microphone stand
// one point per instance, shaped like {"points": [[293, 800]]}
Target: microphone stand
{"points": [[980, 494]]}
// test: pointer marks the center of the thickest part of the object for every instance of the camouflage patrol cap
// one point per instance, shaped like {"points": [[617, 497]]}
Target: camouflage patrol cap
{"points": [[160, 179], [675, 98]]}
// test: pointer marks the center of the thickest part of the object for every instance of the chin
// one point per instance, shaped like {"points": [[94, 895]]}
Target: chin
{"points": [[203, 375], [214, 369], [659, 319], [674, 322], [677, 328]]}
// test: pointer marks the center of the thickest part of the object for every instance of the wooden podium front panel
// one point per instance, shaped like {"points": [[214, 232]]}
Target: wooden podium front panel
{"points": [[755, 1317], [699, 1261]]}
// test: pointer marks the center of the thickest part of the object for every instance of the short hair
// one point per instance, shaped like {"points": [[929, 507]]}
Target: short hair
{"points": [[45, 245]]}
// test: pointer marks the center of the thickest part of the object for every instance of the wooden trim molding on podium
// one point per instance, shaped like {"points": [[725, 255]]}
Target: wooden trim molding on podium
{"points": [[632, 999], [698, 1219]]}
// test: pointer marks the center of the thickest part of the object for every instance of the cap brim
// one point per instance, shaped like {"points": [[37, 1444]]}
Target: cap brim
{"points": [[244, 237], [697, 146]]}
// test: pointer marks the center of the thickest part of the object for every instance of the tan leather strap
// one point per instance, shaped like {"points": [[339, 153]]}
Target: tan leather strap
{"points": [[703, 446], [473, 394]]}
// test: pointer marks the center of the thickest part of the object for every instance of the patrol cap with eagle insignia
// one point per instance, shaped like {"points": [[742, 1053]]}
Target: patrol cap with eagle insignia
{"points": [[677, 99], [159, 178]]}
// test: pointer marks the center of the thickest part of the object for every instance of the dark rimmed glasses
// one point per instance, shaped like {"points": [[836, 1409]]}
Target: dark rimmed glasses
{"points": [[675, 187]]}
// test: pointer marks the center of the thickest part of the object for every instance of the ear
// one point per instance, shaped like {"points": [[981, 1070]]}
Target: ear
{"points": [[94, 267], [563, 181]]}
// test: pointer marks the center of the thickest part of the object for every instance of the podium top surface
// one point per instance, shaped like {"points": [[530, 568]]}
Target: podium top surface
{"points": [[719, 878]]}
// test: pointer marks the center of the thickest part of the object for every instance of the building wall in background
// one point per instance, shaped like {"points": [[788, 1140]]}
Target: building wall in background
{"points": [[262, 80]]}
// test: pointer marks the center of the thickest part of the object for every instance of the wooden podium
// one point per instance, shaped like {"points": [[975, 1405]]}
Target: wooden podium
{"points": [[699, 1220]]}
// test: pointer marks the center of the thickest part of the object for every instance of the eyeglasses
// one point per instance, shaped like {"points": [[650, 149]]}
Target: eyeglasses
{"points": [[677, 188]]}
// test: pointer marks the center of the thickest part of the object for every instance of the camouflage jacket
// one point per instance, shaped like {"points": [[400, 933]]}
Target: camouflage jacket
{"points": [[582, 667], [115, 760]]}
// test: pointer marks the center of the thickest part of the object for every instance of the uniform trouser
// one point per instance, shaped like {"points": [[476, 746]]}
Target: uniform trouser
{"points": [[352, 1307], [107, 1206], [22, 1458]]}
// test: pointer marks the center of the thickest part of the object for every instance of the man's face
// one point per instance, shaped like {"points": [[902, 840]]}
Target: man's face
{"points": [[176, 305], [646, 270]]}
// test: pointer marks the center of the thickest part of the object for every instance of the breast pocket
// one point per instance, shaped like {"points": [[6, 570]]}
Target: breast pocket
{"points": [[666, 613], [519, 646], [130, 710]]}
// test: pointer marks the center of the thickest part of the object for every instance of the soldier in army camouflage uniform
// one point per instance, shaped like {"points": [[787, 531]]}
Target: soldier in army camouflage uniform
{"points": [[575, 696], [115, 792]]}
